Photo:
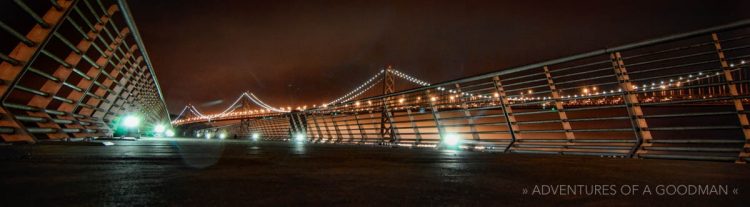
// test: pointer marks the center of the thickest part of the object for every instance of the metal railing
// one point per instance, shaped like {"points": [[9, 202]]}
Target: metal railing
{"points": [[80, 64], [677, 97]]}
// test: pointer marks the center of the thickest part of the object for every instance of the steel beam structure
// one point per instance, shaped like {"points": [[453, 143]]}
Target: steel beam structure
{"points": [[73, 73]]}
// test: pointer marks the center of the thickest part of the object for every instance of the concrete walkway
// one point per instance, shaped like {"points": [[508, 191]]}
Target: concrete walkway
{"points": [[194, 172]]}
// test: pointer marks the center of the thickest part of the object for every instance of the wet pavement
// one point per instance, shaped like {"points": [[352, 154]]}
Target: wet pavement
{"points": [[195, 172]]}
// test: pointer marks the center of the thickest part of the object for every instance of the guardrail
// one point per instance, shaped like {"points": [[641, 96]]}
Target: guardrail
{"points": [[70, 68], [677, 97]]}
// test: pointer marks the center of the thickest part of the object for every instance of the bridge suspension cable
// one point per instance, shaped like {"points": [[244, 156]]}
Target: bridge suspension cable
{"points": [[359, 88], [181, 113], [196, 112], [257, 101], [370, 83], [409, 78]]}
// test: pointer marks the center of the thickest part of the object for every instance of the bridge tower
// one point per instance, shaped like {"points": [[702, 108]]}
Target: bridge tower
{"points": [[245, 105], [386, 125]]}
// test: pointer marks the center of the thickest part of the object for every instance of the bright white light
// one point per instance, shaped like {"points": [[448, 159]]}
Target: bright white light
{"points": [[169, 133], [299, 137], [451, 140], [256, 136], [131, 121], [208, 135], [159, 128], [222, 136]]}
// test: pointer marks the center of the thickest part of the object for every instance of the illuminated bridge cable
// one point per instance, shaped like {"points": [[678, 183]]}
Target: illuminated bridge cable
{"points": [[361, 92], [196, 112], [231, 107], [357, 90], [263, 104], [409, 78], [181, 113]]}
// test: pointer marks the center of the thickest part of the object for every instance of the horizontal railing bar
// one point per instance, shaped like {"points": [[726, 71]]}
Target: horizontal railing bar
{"points": [[8, 59], [692, 128], [31, 13], [689, 114], [579, 56], [697, 45]]}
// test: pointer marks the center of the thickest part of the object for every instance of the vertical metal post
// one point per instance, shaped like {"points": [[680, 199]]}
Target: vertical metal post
{"points": [[467, 115], [745, 153], [328, 129], [559, 106], [348, 129], [336, 128], [293, 130], [435, 115], [302, 125], [640, 127], [359, 126], [414, 127], [510, 120], [317, 127]]}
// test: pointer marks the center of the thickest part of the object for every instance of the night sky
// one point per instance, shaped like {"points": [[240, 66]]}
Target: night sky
{"points": [[293, 53]]}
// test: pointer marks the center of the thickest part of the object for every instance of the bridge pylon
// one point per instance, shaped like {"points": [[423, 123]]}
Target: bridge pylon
{"points": [[386, 121]]}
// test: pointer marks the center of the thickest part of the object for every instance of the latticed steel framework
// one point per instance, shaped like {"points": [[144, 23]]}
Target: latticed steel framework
{"points": [[70, 68], [678, 97]]}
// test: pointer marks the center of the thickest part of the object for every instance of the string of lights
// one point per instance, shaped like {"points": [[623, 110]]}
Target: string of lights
{"points": [[257, 101], [181, 113], [358, 88], [360, 93], [196, 112], [409, 78]]}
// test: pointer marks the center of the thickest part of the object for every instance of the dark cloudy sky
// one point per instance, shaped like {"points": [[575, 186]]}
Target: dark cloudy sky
{"points": [[308, 52]]}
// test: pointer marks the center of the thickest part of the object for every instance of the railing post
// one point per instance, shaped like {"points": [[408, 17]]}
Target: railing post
{"points": [[745, 153], [435, 115], [293, 130], [86, 85], [301, 126], [349, 128], [559, 106], [414, 127], [325, 125], [336, 128], [640, 127], [510, 120], [359, 126], [467, 115], [317, 127]]}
